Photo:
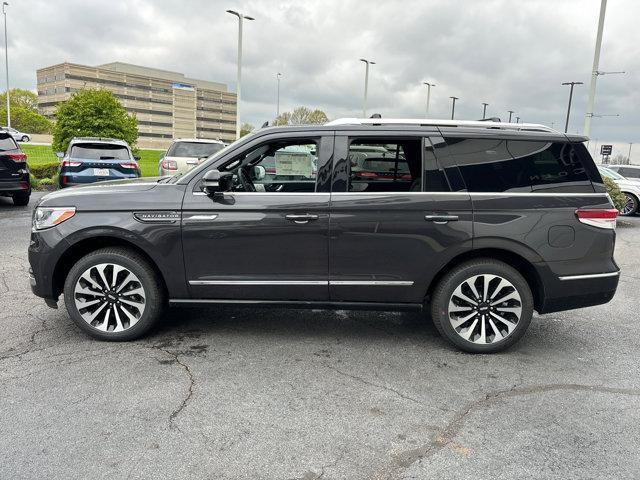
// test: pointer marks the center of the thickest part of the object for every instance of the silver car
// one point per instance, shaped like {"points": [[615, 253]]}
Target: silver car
{"points": [[17, 135], [186, 153], [630, 188]]}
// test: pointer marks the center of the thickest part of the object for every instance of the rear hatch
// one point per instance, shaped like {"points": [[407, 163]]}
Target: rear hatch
{"points": [[100, 160], [13, 163]]}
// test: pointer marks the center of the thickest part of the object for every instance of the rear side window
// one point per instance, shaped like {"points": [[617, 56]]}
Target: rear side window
{"points": [[7, 143], [99, 151], [497, 165]]}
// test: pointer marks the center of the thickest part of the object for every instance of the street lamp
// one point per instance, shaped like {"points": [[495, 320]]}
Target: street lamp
{"points": [[517, 119], [453, 106], [484, 110], [429, 85], [278, 75], [241, 17], [511, 112], [6, 61], [566, 124], [366, 84]]}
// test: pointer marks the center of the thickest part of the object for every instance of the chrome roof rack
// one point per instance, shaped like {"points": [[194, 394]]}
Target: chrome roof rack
{"points": [[428, 122]]}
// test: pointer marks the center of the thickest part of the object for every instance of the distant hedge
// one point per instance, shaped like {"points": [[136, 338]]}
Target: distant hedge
{"points": [[44, 170]]}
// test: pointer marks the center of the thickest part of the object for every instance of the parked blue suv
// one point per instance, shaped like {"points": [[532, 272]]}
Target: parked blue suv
{"points": [[89, 160]]}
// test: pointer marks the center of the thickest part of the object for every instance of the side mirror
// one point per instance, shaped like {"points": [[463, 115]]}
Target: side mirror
{"points": [[60, 154], [215, 181], [258, 172]]}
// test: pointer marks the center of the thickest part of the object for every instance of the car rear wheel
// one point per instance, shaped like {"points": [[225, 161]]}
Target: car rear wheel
{"points": [[20, 199], [482, 306], [25, 138], [630, 206], [114, 294]]}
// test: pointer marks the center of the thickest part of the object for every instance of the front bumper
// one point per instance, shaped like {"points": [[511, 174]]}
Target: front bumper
{"points": [[45, 249]]}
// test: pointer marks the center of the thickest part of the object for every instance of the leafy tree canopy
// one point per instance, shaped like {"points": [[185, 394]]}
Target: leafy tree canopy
{"points": [[24, 112], [302, 116], [93, 113], [245, 129]]}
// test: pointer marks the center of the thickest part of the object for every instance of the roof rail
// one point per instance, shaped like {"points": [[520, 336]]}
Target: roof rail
{"points": [[427, 122]]}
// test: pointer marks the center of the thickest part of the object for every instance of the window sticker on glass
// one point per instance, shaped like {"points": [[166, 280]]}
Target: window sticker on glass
{"points": [[294, 163]]}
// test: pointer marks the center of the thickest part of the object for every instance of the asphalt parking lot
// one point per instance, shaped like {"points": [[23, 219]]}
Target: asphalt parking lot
{"points": [[235, 393]]}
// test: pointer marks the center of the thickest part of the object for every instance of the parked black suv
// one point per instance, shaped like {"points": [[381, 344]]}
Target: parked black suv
{"points": [[480, 223], [14, 173]]}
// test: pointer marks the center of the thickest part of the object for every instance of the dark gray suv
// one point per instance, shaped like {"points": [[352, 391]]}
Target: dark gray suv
{"points": [[477, 223]]}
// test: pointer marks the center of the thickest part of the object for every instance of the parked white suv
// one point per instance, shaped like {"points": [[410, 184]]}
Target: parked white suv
{"points": [[630, 188], [186, 153]]}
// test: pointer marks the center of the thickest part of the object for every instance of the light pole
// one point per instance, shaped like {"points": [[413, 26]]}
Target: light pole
{"points": [[278, 75], [511, 112], [6, 61], [241, 17], [429, 85], [453, 106], [566, 124], [484, 110], [629, 156], [366, 85], [517, 119], [594, 70]]}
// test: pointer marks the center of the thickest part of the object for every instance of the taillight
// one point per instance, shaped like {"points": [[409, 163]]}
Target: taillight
{"points": [[366, 175], [598, 217], [169, 165], [69, 163], [129, 165], [17, 157]]}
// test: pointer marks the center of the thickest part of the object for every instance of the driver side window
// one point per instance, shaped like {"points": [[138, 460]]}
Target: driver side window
{"points": [[282, 166]]}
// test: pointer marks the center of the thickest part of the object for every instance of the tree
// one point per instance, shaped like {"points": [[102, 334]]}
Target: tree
{"points": [[619, 199], [302, 116], [620, 159], [93, 113], [246, 129], [24, 111]]}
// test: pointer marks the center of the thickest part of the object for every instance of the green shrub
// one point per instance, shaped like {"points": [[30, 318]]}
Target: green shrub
{"points": [[46, 181], [33, 181], [614, 192], [45, 170]]}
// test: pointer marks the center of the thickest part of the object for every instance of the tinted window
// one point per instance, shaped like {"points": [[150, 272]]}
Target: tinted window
{"points": [[379, 165], [7, 143], [193, 149], [434, 177], [99, 151], [487, 166], [550, 165], [519, 165]]}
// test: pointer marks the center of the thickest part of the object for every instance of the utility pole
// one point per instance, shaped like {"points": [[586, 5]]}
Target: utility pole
{"points": [[366, 85], [594, 70], [241, 17], [453, 106], [566, 125], [511, 112], [517, 119], [629, 155], [278, 75], [6, 61], [484, 110], [429, 85]]}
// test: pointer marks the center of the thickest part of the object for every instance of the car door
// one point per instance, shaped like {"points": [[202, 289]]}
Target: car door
{"points": [[270, 244], [391, 235]]}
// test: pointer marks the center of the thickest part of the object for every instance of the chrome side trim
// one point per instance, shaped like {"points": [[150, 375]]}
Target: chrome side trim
{"points": [[474, 194], [399, 283], [388, 283], [202, 217], [589, 276]]}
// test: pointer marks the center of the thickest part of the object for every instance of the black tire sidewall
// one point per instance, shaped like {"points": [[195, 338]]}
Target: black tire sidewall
{"points": [[146, 275], [444, 290], [21, 198], [635, 205]]}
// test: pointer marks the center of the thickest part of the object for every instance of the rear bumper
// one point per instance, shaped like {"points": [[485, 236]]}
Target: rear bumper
{"points": [[72, 179], [578, 291], [17, 185]]}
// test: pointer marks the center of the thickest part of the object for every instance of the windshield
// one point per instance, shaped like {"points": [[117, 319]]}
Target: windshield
{"points": [[193, 149], [610, 173], [99, 151]]}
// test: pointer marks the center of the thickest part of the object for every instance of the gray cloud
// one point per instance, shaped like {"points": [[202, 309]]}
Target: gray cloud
{"points": [[511, 54]]}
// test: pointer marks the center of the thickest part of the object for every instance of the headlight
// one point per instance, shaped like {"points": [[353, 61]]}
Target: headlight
{"points": [[45, 217]]}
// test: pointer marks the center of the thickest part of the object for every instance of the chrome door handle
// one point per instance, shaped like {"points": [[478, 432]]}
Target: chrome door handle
{"points": [[301, 218], [200, 218], [441, 219]]}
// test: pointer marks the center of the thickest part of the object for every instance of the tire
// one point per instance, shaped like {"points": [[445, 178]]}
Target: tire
{"points": [[137, 283], [631, 205], [498, 334], [25, 138], [21, 199]]}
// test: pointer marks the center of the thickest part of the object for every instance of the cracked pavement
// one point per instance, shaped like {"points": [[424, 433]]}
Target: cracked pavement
{"points": [[233, 393]]}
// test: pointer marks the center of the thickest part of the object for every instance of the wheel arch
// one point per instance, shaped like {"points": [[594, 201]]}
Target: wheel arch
{"points": [[85, 246], [524, 266]]}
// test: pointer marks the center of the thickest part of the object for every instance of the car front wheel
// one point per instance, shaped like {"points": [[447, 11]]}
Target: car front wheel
{"points": [[114, 294], [482, 306]]}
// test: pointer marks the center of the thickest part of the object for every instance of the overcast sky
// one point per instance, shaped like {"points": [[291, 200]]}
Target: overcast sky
{"points": [[513, 54]]}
